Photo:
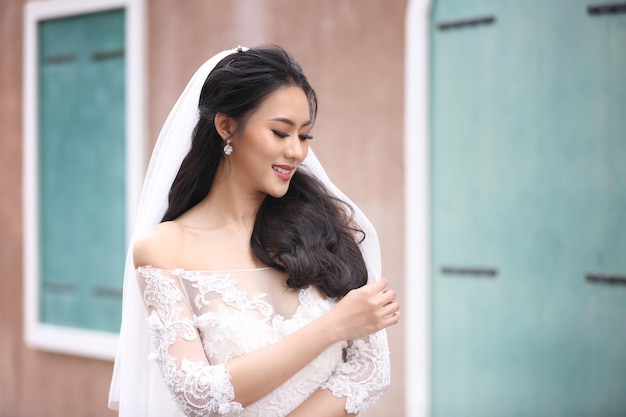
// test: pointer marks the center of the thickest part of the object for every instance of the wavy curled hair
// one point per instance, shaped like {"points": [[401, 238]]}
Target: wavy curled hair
{"points": [[308, 233]]}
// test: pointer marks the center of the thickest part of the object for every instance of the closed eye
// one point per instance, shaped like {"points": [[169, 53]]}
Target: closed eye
{"points": [[286, 135]]}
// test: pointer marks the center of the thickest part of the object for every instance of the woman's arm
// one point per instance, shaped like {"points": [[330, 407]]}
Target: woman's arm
{"points": [[356, 384], [322, 401], [364, 375], [198, 385], [360, 313], [199, 388]]}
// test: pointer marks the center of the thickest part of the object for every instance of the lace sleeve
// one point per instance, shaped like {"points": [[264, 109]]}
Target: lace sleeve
{"points": [[364, 375], [199, 388]]}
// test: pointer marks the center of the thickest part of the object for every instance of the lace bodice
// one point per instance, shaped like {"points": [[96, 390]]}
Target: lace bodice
{"points": [[199, 320]]}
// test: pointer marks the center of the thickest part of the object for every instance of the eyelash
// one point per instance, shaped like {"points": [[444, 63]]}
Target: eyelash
{"points": [[284, 135]]}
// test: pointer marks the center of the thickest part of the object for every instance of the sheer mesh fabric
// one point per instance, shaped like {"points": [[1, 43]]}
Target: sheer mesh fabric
{"points": [[199, 320]]}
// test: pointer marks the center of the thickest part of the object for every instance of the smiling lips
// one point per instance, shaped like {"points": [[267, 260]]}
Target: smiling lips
{"points": [[283, 171]]}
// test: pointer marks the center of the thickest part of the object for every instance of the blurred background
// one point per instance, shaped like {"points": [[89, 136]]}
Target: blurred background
{"points": [[484, 139]]}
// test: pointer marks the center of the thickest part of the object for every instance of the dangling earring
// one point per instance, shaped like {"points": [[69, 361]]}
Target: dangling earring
{"points": [[228, 149]]}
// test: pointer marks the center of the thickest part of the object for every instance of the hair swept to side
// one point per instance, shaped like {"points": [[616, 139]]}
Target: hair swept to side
{"points": [[311, 234]]}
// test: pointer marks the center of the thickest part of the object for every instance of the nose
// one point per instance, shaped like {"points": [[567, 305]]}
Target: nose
{"points": [[296, 149]]}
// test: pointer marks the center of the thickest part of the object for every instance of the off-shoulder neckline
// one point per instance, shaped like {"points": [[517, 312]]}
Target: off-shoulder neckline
{"points": [[204, 270]]}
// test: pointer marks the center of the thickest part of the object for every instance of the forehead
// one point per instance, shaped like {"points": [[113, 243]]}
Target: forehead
{"points": [[286, 102]]}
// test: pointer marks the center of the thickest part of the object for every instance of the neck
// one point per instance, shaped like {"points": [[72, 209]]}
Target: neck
{"points": [[228, 204], [232, 205]]}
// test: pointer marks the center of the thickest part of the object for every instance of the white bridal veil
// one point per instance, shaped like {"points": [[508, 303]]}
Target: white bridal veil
{"points": [[137, 389]]}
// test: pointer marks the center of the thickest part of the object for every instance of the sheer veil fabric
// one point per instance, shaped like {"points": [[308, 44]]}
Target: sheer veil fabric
{"points": [[137, 388]]}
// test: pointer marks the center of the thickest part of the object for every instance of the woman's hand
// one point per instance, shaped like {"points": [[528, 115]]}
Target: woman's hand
{"points": [[364, 311]]}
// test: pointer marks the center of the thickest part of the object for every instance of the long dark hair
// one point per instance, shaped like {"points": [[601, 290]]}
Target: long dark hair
{"points": [[308, 232]]}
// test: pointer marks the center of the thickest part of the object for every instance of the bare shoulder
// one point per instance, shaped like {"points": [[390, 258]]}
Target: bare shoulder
{"points": [[158, 246]]}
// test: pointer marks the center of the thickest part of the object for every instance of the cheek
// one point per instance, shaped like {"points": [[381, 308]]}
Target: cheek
{"points": [[257, 144]]}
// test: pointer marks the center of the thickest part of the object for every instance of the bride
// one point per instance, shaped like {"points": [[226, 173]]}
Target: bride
{"points": [[246, 288]]}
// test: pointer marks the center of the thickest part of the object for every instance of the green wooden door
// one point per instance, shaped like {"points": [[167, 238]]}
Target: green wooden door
{"points": [[82, 170], [528, 199]]}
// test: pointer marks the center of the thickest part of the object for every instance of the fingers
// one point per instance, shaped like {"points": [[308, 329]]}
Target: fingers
{"points": [[380, 302], [381, 295], [390, 309], [379, 285], [391, 319], [387, 297], [376, 287]]}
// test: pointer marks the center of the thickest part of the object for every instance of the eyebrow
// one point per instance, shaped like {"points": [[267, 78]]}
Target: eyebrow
{"points": [[289, 121]]}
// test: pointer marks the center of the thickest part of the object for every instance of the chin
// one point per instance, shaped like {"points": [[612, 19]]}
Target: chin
{"points": [[278, 192]]}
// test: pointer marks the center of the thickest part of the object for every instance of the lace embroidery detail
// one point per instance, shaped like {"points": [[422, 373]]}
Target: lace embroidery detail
{"points": [[365, 374], [198, 388], [226, 286], [232, 323]]}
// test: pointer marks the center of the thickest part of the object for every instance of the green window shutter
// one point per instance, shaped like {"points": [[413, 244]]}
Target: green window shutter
{"points": [[82, 170], [528, 179]]}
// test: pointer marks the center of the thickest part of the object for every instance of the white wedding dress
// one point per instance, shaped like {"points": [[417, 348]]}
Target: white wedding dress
{"points": [[199, 320]]}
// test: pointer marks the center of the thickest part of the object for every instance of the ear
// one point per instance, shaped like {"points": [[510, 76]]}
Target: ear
{"points": [[225, 125]]}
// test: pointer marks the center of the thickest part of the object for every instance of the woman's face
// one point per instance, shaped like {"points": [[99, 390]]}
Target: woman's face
{"points": [[273, 143]]}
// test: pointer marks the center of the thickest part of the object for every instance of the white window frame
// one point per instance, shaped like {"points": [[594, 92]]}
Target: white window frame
{"points": [[417, 392], [38, 335]]}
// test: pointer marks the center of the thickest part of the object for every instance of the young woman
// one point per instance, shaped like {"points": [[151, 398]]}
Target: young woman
{"points": [[247, 278]]}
